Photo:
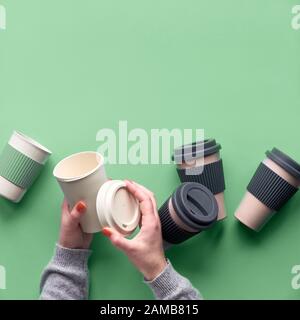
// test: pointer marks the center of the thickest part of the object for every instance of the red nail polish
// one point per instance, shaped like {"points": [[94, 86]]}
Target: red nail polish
{"points": [[106, 232], [81, 206]]}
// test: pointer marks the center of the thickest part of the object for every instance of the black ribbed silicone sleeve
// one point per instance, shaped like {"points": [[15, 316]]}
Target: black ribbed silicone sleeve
{"points": [[212, 176], [270, 188], [170, 231]]}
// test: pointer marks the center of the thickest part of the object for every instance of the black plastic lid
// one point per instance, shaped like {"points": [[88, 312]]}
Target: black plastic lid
{"points": [[284, 161], [195, 205], [195, 150]]}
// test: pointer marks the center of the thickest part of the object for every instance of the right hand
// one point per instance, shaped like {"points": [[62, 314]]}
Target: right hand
{"points": [[145, 250]]}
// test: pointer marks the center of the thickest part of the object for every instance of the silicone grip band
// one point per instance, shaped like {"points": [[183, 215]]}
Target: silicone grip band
{"points": [[18, 168], [270, 188], [212, 176]]}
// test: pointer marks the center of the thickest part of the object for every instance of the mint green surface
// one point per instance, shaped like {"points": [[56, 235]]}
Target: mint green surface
{"points": [[17, 168], [70, 68]]}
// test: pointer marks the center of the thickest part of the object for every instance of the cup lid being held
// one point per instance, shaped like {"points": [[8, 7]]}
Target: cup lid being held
{"points": [[117, 208]]}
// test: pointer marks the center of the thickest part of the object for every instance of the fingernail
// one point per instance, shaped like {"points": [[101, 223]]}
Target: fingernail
{"points": [[81, 206], [106, 232]]}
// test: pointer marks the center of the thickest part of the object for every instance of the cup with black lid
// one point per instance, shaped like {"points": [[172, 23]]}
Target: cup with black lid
{"points": [[275, 181], [191, 209], [200, 162]]}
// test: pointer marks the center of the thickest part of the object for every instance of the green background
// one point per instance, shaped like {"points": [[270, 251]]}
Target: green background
{"points": [[69, 68]]}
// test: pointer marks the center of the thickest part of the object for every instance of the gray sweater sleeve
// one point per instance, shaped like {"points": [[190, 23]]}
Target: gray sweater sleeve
{"points": [[170, 285], [66, 278]]}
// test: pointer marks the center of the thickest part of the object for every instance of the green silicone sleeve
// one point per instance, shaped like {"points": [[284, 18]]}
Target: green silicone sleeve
{"points": [[18, 168]]}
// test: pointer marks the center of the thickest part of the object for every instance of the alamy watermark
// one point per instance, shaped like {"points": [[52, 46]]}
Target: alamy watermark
{"points": [[2, 17], [138, 146], [295, 283], [2, 278], [296, 17]]}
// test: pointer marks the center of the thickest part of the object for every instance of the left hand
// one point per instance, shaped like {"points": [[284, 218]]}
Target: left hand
{"points": [[71, 234]]}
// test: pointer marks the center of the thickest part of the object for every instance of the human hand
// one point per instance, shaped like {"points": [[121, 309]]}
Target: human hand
{"points": [[71, 234], [145, 250]]}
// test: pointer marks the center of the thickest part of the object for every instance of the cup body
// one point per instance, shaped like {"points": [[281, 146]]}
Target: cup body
{"points": [[80, 177], [253, 213], [20, 164], [200, 161], [275, 181]]}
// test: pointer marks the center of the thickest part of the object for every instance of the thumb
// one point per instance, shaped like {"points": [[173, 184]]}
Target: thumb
{"points": [[117, 239]]}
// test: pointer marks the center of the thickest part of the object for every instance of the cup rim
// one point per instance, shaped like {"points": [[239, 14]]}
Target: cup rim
{"points": [[76, 178], [33, 142]]}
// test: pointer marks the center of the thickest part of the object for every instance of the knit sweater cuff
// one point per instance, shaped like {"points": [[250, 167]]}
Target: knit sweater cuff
{"points": [[166, 283], [66, 257]]}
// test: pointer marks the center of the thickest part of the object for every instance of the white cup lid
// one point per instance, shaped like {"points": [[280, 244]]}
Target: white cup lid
{"points": [[117, 208]]}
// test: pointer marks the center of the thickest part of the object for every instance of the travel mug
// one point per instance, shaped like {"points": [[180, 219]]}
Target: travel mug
{"points": [[275, 181], [200, 162], [82, 176], [191, 209], [21, 161]]}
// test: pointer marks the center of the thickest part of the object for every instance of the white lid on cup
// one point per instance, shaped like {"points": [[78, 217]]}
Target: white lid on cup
{"points": [[117, 208]]}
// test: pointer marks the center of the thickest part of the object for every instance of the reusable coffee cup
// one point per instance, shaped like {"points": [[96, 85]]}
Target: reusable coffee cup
{"points": [[275, 181], [82, 176], [200, 162], [190, 209], [21, 161]]}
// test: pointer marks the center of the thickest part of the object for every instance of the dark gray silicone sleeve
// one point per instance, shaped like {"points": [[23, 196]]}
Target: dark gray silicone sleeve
{"points": [[270, 188], [170, 231], [212, 176]]}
